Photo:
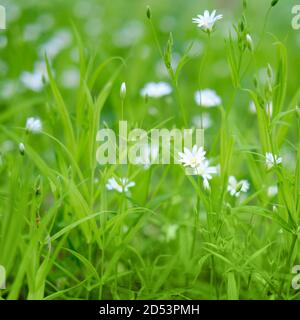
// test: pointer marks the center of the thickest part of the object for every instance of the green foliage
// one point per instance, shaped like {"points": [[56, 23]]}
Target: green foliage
{"points": [[63, 235]]}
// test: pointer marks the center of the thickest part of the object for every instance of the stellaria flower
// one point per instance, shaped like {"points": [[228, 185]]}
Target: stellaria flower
{"points": [[272, 160], [34, 125], [207, 21], [156, 90], [205, 171], [35, 80], [60, 40], [236, 187], [207, 98], [122, 185], [192, 158]]}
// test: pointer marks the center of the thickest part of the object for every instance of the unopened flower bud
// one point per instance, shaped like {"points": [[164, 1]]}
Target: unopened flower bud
{"points": [[274, 2], [148, 12], [255, 83], [22, 149], [123, 91], [249, 42]]}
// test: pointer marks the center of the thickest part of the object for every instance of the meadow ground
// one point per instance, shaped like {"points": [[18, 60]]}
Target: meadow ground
{"points": [[71, 228]]}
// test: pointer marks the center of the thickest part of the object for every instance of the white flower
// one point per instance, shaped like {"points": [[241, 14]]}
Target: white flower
{"points": [[32, 31], [236, 187], [21, 148], [122, 185], [61, 40], [192, 158], [123, 90], [34, 80], [156, 90], [207, 21], [34, 125], [205, 171], [272, 160], [272, 191], [207, 98]]}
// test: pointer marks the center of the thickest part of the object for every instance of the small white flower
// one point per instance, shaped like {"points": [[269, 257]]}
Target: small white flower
{"points": [[34, 80], [236, 187], [34, 125], [272, 160], [207, 98], [32, 31], [207, 21], [205, 171], [123, 90], [272, 191], [122, 185], [156, 90], [21, 148], [192, 158], [61, 40]]}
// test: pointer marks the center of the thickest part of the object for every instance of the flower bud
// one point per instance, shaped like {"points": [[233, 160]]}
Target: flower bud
{"points": [[255, 82], [148, 12], [249, 42], [22, 149], [274, 2], [123, 91]]}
